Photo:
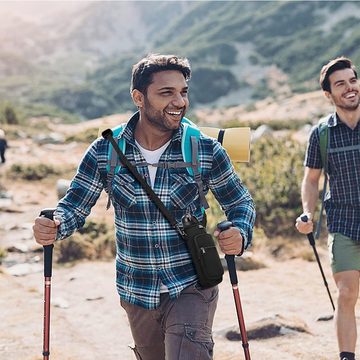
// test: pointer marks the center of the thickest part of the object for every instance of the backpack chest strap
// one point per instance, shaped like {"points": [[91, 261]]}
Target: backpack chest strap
{"points": [[343, 149]]}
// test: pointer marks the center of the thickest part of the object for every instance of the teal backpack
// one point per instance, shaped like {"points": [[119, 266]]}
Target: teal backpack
{"points": [[189, 148]]}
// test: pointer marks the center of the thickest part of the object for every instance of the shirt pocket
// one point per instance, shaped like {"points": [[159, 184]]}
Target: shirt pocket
{"points": [[184, 192], [124, 190]]}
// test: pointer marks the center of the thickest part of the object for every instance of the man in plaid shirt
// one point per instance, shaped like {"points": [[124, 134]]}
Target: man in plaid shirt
{"points": [[169, 314], [339, 81]]}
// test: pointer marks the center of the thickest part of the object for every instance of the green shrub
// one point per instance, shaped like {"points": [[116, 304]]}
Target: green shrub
{"points": [[85, 136], [293, 124], [8, 114], [95, 240], [3, 254], [273, 178], [32, 172]]}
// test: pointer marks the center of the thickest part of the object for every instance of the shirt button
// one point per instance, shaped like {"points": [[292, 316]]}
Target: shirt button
{"points": [[157, 246]]}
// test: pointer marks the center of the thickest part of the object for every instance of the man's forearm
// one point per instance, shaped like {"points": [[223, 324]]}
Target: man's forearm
{"points": [[309, 196]]}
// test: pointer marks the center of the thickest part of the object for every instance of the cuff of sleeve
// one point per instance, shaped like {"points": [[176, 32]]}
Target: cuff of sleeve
{"points": [[243, 243]]}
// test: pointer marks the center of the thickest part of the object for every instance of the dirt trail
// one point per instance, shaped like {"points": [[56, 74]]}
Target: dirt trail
{"points": [[91, 323]]}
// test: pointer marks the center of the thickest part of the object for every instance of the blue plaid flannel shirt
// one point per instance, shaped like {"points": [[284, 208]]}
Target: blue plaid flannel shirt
{"points": [[149, 250], [342, 203]]}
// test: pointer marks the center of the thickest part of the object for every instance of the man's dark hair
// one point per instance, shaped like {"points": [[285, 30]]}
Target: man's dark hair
{"points": [[143, 71], [339, 63]]}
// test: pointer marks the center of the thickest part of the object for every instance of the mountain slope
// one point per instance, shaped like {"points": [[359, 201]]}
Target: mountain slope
{"points": [[80, 62]]}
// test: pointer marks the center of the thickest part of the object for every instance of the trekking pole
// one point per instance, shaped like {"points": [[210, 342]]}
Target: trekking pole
{"points": [[230, 260], [48, 251], [311, 239]]}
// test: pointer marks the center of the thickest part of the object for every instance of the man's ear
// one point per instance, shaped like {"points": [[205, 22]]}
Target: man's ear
{"points": [[328, 95], [138, 98]]}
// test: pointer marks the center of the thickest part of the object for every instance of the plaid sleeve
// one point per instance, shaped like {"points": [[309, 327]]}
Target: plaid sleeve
{"points": [[232, 195], [84, 190], [313, 156]]}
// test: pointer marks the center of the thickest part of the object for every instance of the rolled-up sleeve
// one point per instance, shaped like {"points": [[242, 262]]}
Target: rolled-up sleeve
{"points": [[233, 197]]}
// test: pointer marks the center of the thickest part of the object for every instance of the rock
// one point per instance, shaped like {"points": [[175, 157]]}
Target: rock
{"points": [[260, 132], [52, 138], [94, 298], [325, 317], [245, 262], [18, 248], [266, 328], [60, 303], [23, 269], [62, 186]]}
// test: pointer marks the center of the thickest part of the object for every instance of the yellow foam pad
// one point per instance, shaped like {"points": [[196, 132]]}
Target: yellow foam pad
{"points": [[236, 141]]}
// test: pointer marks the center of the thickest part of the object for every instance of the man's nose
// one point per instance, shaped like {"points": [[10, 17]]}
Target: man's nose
{"points": [[179, 101]]}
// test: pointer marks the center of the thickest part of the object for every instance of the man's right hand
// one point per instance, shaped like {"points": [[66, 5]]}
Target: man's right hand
{"points": [[304, 227], [45, 230]]}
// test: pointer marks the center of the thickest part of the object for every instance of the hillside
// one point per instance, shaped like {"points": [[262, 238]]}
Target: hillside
{"points": [[77, 62]]}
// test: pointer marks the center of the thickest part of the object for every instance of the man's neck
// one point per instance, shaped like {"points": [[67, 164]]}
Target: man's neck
{"points": [[350, 118], [150, 137]]}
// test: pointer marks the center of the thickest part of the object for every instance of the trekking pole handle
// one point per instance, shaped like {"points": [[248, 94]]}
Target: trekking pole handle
{"points": [[48, 249], [310, 235], [230, 259]]}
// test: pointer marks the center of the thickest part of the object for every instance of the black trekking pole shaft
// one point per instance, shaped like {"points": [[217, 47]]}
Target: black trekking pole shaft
{"points": [[321, 270], [230, 260], [48, 252], [311, 239]]}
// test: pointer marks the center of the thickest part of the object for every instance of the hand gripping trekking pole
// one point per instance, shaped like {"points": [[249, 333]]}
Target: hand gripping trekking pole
{"points": [[311, 239], [230, 260], [48, 251]]}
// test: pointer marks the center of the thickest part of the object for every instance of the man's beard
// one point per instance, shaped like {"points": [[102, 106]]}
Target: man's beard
{"points": [[158, 118]]}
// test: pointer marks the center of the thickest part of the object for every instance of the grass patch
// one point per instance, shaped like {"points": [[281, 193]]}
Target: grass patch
{"points": [[32, 172], [94, 241]]}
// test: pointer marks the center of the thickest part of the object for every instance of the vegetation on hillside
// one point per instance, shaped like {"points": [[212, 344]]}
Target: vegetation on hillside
{"points": [[230, 45]]}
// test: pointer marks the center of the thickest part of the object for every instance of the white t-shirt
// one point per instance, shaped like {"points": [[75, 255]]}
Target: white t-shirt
{"points": [[152, 157]]}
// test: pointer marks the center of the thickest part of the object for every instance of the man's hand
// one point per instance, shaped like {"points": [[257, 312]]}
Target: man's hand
{"points": [[230, 240], [304, 227], [45, 230]]}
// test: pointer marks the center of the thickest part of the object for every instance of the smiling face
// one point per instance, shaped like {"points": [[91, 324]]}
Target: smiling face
{"points": [[344, 90], [166, 100]]}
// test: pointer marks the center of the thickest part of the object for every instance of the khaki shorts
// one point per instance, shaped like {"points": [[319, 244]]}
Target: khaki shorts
{"points": [[344, 253]]}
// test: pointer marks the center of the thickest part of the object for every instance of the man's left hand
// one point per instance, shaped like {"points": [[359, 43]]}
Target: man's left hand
{"points": [[230, 241]]}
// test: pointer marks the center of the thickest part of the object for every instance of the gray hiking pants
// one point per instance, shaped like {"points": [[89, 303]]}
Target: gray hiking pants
{"points": [[179, 329]]}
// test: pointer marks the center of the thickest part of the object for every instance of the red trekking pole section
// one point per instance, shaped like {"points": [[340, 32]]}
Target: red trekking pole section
{"points": [[230, 260], [48, 251]]}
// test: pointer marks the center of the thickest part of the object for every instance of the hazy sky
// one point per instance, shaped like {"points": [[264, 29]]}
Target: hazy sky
{"points": [[36, 10]]}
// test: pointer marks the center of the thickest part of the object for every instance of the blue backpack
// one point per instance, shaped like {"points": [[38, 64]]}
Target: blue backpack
{"points": [[189, 148]]}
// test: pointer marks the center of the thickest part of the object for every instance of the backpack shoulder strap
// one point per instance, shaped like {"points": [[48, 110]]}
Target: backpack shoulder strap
{"points": [[323, 130], [113, 165], [190, 152]]}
